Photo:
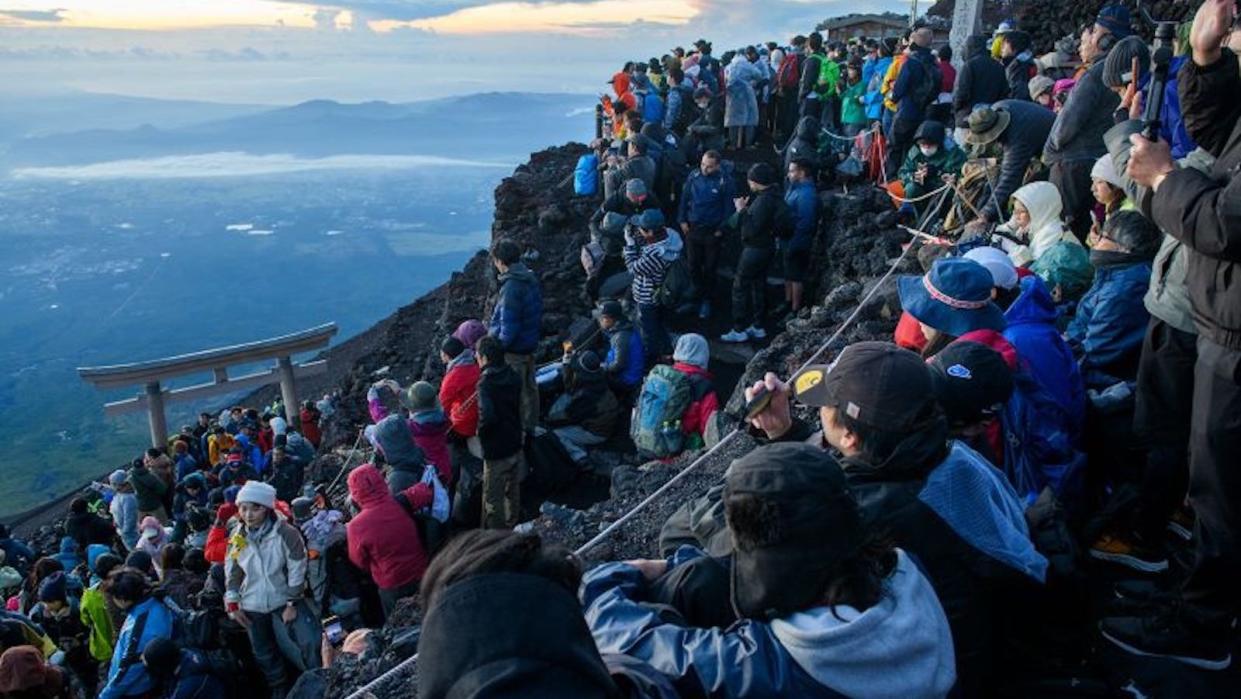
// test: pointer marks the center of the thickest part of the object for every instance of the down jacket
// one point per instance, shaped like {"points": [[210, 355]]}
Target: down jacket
{"points": [[1033, 332], [981, 81], [265, 569], [459, 394], [1086, 116], [626, 359], [383, 538], [1110, 323], [517, 320]]}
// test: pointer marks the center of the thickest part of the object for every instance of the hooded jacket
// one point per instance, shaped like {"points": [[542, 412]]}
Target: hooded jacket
{"points": [[586, 402], [1042, 200], [945, 161], [459, 393], [649, 264], [1110, 323], [625, 362], [383, 538], [1086, 116], [1033, 332], [127, 676], [1028, 128], [69, 555], [981, 81], [88, 528], [430, 430], [742, 77], [265, 569], [124, 509], [499, 413], [96, 613], [900, 647], [805, 144], [405, 459], [517, 320], [1202, 210], [462, 656]]}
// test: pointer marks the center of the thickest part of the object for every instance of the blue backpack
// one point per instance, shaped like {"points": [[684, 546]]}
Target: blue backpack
{"points": [[1037, 453], [652, 109], [586, 175], [656, 425]]}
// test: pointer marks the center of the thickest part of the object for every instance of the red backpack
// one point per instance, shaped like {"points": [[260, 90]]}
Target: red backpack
{"points": [[790, 71]]}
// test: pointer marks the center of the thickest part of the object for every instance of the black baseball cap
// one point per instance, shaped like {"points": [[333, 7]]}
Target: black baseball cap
{"points": [[875, 383], [783, 566], [971, 381]]}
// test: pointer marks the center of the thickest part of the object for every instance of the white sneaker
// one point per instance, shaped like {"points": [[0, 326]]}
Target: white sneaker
{"points": [[756, 333], [735, 336]]}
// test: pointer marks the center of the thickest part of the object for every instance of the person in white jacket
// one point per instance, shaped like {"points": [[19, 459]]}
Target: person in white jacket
{"points": [[265, 574]]}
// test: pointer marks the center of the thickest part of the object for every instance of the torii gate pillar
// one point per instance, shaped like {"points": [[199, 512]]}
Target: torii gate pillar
{"points": [[966, 21]]}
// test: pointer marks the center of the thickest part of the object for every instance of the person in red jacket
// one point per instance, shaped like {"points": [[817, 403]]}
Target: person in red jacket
{"points": [[383, 538], [691, 357], [459, 390], [309, 421], [430, 426]]}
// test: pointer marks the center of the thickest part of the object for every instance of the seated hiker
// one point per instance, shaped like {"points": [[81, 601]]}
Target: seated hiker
{"points": [[58, 614], [308, 419], [500, 435], [484, 581], [286, 473], [1035, 237], [383, 537], [972, 384], [820, 599], [26, 673], [1032, 330], [154, 539], [180, 673], [637, 164], [649, 255], [625, 361], [952, 299], [1109, 192], [1004, 275], [629, 201], [1111, 320], [191, 495], [429, 427], [706, 132], [235, 470], [762, 220], [70, 554], [394, 440], [17, 554], [146, 618], [86, 527], [587, 412], [677, 403], [877, 407], [931, 158]]}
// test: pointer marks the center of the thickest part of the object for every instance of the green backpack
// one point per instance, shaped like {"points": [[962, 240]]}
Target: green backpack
{"points": [[656, 425]]}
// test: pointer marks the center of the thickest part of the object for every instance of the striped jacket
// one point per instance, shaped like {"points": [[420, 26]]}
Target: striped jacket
{"points": [[649, 264]]}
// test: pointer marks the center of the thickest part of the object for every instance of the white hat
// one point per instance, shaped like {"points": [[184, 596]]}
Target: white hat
{"points": [[259, 493], [998, 263], [1104, 169]]}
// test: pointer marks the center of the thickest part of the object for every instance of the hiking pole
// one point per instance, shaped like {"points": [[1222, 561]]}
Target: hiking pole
{"points": [[1161, 57]]}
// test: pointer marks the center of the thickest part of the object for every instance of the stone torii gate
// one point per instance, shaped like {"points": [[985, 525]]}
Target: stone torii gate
{"points": [[150, 374]]}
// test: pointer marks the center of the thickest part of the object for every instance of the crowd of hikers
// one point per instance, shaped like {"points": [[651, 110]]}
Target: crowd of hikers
{"points": [[1065, 378]]}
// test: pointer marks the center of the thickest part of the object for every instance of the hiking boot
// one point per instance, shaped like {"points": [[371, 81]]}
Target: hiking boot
{"points": [[1182, 523], [1128, 552], [704, 310], [756, 333], [1166, 635], [735, 336], [1139, 598]]}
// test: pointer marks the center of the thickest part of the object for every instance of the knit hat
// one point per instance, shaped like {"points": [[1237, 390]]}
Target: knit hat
{"points": [[452, 347], [1115, 18], [1118, 67], [469, 332], [612, 309], [954, 297], [1040, 84], [998, 263], [422, 396], [52, 589], [230, 494], [635, 187], [692, 349], [762, 174], [1104, 169], [118, 478], [258, 493]]}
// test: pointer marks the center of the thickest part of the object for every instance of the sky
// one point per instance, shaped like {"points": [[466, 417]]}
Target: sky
{"points": [[281, 52]]}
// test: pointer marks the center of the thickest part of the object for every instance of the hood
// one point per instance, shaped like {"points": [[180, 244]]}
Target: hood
{"points": [[670, 247], [898, 648], [1042, 200], [69, 545], [466, 357], [519, 272], [930, 130], [367, 487], [463, 657], [397, 443], [427, 421], [93, 552], [692, 349], [808, 129], [997, 342], [1033, 305]]}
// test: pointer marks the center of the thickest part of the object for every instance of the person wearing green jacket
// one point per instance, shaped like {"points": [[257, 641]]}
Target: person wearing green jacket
{"points": [[97, 613], [150, 489], [853, 101], [930, 158]]}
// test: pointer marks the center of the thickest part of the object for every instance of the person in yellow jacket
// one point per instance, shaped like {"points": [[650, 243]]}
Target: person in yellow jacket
{"points": [[218, 445], [97, 613]]}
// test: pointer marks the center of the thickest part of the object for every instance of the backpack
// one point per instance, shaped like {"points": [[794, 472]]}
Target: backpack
{"points": [[789, 76], [652, 109], [656, 425], [592, 258], [677, 293], [429, 520], [586, 175]]}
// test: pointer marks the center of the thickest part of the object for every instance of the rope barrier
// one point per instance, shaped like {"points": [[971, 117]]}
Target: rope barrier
{"points": [[598, 538], [917, 199]]}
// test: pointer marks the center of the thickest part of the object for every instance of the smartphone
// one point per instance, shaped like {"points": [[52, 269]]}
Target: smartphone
{"points": [[334, 630]]}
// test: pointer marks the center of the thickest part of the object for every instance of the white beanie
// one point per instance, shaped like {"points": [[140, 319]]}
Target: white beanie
{"points": [[998, 263], [279, 425], [1104, 169], [259, 493]]}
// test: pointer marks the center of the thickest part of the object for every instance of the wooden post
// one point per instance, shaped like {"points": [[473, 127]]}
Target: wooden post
{"points": [[155, 413], [966, 21], [288, 393]]}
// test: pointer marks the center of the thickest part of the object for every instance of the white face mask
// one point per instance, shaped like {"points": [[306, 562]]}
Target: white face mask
{"points": [[928, 151]]}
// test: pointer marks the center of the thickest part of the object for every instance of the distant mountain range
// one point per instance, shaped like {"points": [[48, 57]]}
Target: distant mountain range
{"points": [[498, 125]]}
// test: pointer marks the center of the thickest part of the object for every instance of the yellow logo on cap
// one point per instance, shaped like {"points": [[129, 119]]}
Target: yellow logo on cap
{"points": [[807, 380]]}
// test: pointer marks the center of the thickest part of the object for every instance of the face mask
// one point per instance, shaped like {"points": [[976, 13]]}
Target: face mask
{"points": [[928, 151]]}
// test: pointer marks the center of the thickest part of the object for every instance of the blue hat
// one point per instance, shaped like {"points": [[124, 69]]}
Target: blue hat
{"points": [[52, 589], [954, 297], [651, 220], [1115, 18]]}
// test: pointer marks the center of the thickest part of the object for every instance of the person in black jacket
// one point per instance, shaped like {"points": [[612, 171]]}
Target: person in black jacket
{"points": [[1204, 212], [980, 82], [1019, 65], [807, 95], [1019, 129], [631, 200], [86, 527], [501, 435], [586, 413], [761, 221]]}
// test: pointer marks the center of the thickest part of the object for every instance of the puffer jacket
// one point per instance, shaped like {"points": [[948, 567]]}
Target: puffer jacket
{"points": [[430, 430], [383, 538], [981, 81], [649, 264], [1086, 116], [626, 359], [265, 569], [127, 676], [899, 647], [1032, 330], [459, 394], [803, 202], [1111, 323], [1204, 210], [517, 320]]}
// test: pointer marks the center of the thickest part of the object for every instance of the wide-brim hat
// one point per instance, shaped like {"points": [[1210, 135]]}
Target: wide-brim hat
{"points": [[954, 297], [986, 125]]}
